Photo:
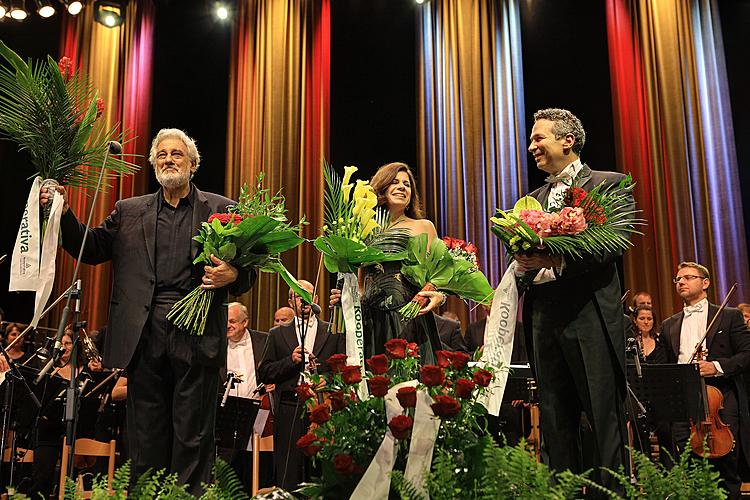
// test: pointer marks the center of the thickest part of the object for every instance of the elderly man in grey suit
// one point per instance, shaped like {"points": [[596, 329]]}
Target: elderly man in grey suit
{"points": [[173, 376], [572, 310]]}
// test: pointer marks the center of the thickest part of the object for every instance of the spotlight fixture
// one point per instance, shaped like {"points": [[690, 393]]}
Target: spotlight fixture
{"points": [[44, 8], [221, 10], [110, 13], [3, 9], [74, 7], [18, 10], [420, 2]]}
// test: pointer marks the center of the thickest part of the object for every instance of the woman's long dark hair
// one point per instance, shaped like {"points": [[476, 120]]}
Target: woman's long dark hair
{"points": [[383, 179]]}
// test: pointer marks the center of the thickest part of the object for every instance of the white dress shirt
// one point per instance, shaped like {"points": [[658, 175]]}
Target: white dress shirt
{"points": [[694, 323], [311, 329], [241, 361]]}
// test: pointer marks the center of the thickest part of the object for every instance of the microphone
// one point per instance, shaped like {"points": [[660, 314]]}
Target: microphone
{"points": [[315, 308], [635, 349], [115, 147], [2, 259], [230, 383], [260, 389]]}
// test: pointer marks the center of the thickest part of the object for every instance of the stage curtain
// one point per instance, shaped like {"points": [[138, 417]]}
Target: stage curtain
{"points": [[119, 63], [471, 131], [278, 124], [673, 131]]}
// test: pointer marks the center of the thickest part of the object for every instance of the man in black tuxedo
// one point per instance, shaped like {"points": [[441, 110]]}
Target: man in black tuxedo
{"points": [[289, 349], [728, 345], [572, 310], [244, 353], [173, 376], [449, 332]]}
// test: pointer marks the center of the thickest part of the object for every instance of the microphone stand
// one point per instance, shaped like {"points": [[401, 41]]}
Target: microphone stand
{"points": [[113, 147]]}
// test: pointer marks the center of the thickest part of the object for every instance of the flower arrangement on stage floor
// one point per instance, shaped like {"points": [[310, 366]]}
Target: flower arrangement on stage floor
{"points": [[252, 233], [347, 431], [449, 266], [595, 222], [52, 111]]}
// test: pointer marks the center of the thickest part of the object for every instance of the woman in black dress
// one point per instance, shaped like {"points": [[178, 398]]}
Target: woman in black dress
{"points": [[649, 341]]}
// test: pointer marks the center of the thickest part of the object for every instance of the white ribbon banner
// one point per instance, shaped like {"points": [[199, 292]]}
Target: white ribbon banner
{"points": [[423, 436], [376, 482], [33, 263], [498, 338], [355, 334]]}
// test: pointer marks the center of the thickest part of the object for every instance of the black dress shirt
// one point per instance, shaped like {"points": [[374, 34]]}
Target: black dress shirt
{"points": [[173, 239]]}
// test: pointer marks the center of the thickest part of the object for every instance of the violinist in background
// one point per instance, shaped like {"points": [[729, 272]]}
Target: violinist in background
{"points": [[18, 352], [728, 346]]}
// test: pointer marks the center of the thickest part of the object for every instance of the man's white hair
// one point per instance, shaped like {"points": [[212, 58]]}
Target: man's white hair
{"points": [[175, 133], [243, 309]]}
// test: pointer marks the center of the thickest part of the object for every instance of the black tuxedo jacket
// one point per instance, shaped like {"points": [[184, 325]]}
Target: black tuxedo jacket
{"points": [[127, 237], [277, 366], [591, 277], [449, 332], [728, 342]]}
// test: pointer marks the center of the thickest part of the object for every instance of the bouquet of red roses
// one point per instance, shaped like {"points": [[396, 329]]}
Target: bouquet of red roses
{"points": [[450, 266], [253, 233], [597, 221]]}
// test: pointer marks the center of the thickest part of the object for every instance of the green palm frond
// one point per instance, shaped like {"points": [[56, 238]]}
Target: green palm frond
{"points": [[55, 121], [333, 198]]}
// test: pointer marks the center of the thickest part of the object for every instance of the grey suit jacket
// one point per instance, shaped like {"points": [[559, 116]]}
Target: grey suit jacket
{"points": [[127, 237]]}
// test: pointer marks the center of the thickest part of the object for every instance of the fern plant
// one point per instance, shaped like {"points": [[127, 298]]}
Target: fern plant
{"points": [[51, 112]]}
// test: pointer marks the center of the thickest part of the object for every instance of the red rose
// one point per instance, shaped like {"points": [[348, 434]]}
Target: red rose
{"points": [[337, 400], [396, 348], [379, 385], [378, 364], [400, 426], [99, 107], [320, 414], [459, 360], [471, 248], [336, 362], [482, 377], [464, 388], [431, 375], [351, 375], [225, 218], [413, 349], [304, 392], [66, 68], [444, 358], [449, 242], [445, 406], [344, 464], [307, 444], [574, 196], [407, 396]]}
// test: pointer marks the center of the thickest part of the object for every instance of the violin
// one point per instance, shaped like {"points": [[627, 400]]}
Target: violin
{"points": [[717, 436]]}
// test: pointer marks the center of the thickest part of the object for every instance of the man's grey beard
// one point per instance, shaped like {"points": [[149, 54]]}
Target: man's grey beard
{"points": [[172, 181]]}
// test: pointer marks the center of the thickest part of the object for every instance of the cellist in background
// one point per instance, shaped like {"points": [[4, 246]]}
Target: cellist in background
{"points": [[728, 347]]}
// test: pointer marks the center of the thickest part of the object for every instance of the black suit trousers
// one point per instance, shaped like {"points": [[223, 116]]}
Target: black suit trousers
{"points": [[576, 373], [171, 403]]}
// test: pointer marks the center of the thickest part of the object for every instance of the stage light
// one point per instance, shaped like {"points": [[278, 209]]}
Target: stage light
{"points": [[74, 7], [109, 13], [420, 2], [3, 9], [44, 8], [222, 11], [18, 10]]}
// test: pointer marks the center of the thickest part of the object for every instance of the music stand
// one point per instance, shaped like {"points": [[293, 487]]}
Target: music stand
{"points": [[670, 392], [234, 422]]}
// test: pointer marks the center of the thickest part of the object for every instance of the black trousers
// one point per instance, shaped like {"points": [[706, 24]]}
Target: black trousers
{"points": [[171, 404], [728, 465], [576, 373], [289, 462]]}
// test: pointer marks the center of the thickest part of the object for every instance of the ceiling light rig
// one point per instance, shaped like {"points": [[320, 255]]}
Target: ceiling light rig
{"points": [[16, 9], [110, 13]]}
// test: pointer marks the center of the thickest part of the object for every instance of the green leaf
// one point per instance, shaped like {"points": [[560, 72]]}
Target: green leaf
{"points": [[279, 268], [346, 256]]}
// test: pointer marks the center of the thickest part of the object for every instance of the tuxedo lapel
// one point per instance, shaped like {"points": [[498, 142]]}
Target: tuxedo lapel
{"points": [[674, 333], [289, 332], [201, 212], [148, 222], [320, 338], [542, 193], [583, 179], [258, 341]]}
